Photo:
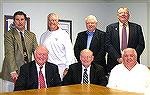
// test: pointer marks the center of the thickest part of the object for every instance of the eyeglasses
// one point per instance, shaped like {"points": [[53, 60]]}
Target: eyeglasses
{"points": [[121, 13], [86, 56], [91, 23], [42, 54], [53, 20]]}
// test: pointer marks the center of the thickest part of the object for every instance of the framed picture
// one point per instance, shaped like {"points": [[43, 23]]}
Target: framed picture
{"points": [[67, 26], [8, 20]]}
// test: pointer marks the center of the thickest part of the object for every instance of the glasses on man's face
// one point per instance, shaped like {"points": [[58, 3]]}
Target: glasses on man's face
{"points": [[87, 57], [92, 23], [42, 54], [123, 13], [53, 20]]}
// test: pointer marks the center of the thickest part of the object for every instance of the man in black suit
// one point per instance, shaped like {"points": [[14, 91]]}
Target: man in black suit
{"points": [[29, 77], [95, 73], [93, 39], [114, 38]]}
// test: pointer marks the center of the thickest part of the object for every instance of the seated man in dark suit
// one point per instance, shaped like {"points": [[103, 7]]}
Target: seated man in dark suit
{"points": [[85, 72], [38, 73]]}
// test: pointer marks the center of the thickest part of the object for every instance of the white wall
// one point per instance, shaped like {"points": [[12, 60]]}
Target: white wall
{"points": [[105, 13]]}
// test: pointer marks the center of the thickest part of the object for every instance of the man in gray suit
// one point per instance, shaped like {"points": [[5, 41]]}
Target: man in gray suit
{"points": [[19, 44]]}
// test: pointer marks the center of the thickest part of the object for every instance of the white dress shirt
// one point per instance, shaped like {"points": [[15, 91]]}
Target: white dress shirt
{"points": [[43, 72], [88, 73], [135, 80]]}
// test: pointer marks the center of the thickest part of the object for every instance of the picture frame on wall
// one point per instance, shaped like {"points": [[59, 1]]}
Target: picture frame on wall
{"points": [[8, 20], [67, 26]]}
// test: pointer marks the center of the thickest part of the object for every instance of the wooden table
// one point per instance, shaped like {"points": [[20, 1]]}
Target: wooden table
{"points": [[78, 89]]}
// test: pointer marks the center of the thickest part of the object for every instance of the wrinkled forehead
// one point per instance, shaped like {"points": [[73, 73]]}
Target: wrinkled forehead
{"points": [[90, 18], [41, 49], [86, 53], [129, 52], [53, 17], [123, 10]]}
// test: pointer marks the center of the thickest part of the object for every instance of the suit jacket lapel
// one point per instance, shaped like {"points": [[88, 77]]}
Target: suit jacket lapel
{"points": [[34, 74], [85, 36], [48, 73], [131, 31], [79, 71], [27, 40], [116, 36], [18, 40], [92, 73], [95, 35]]}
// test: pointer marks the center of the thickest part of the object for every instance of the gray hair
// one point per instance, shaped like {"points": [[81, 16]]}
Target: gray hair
{"points": [[53, 14], [135, 53], [91, 17]]}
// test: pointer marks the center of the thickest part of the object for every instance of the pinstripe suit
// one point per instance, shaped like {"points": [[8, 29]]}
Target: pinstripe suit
{"points": [[14, 51]]}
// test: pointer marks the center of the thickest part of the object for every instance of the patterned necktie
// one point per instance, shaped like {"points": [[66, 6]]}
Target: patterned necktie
{"points": [[24, 49], [41, 79], [124, 37], [85, 77]]}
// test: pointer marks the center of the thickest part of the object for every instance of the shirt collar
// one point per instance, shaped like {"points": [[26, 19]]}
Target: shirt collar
{"points": [[121, 24], [38, 66], [86, 68], [90, 33]]}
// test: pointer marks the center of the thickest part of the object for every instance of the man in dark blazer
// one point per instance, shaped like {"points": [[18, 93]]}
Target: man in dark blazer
{"points": [[92, 39], [14, 55], [114, 37], [95, 72], [29, 73]]}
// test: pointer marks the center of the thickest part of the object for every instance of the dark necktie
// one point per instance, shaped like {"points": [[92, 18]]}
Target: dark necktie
{"points": [[124, 37], [85, 77], [41, 79], [24, 49]]}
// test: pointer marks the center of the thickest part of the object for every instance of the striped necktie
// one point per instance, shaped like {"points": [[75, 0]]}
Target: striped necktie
{"points": [[85, 77]]}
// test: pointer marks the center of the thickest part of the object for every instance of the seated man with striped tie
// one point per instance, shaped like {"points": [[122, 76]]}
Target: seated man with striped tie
{"points": [[38, 73], [85, 72]]}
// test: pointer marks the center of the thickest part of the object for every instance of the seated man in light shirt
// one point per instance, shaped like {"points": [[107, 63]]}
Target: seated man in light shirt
{"points": [[94, 72], [130, 75]]}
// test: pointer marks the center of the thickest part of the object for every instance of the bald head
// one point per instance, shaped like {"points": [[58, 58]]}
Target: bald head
{"points": [[86, 57], [129, 57], [41, 55], [129, 50]]}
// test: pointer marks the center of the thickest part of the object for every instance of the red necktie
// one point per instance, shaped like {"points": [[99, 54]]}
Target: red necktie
{"points": [[41, 79], [124, 37]]}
